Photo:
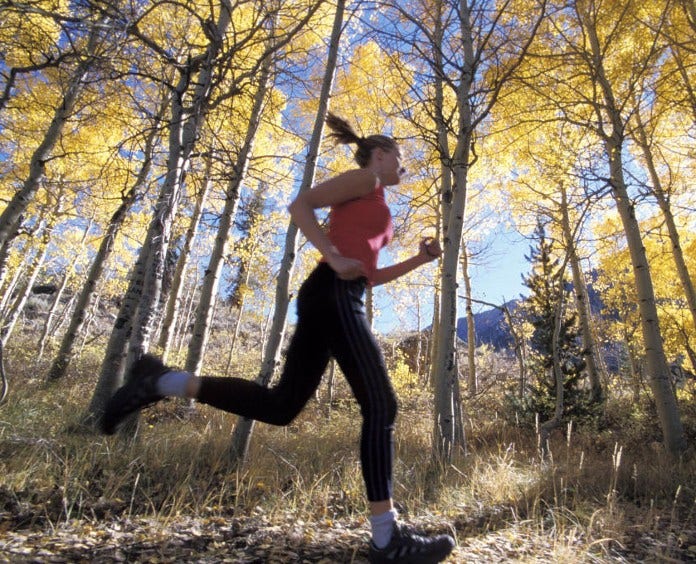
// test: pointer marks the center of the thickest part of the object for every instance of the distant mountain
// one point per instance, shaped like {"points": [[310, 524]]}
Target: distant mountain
{"points": [[492, 327]]}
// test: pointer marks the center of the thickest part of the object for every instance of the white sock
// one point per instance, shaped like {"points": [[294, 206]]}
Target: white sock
{"points": [[173, 383], [382, 527]]}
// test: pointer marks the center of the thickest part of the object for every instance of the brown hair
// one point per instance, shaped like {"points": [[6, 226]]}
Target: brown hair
{"points": [[343, 133]]}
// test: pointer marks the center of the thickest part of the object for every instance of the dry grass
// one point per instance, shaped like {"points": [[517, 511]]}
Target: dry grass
{"points": [[600, 496]]}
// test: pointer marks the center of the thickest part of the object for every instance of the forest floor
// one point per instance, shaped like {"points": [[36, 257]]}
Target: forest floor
{"points": [[256, 539], [171, 495]]}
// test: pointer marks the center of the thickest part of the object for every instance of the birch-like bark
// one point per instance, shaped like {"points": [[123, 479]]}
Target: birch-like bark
{"points": [[582, 302], [86, 295], [4, 265], [656, 363], [211, 277], [663, 202], [52, 312], [453, 216], [10, 287], [184, 132], [182, 138], [185, 321], [11, 216], [174, 302], [113, 365], [330, 388], [29, 278], [470, 324], [271, 358], [419, 340], [20, 300], [49, 328], [689, 89], [235, 334], [187, 117], [443, 210], [453, 213]]}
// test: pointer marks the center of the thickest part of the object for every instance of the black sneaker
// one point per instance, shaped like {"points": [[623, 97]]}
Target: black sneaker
{"points": [[140, 390], [406, 547]]}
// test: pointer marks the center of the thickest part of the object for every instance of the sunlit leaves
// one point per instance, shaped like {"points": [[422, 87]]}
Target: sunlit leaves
{"points": [[29, 32]]}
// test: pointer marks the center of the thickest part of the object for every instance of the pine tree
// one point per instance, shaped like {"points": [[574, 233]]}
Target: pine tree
{"points": [[251, 212], [549, 290]]}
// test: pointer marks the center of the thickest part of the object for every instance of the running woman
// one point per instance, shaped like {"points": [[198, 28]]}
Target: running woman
{"points": [[331, 322]]}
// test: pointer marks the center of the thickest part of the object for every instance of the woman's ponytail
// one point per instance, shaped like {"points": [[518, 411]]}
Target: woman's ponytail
{"points": [[343, 133]]}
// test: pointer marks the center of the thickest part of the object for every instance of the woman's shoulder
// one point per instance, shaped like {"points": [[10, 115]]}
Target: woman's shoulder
{"points": [[363, 180]]}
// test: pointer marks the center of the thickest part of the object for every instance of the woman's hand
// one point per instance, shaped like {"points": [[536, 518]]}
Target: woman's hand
{"points": [[344, 267], [429, 249]]}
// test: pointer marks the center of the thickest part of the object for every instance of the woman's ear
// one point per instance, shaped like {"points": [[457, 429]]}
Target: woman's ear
{"points": [[378, 153]]}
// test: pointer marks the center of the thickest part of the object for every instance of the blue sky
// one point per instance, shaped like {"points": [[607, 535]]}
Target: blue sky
{"points": [[499, 278], [496, 279]]}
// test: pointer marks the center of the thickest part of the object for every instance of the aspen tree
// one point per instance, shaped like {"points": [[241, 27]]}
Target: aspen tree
{"points": [[86, 295], [464, 34], [50, 317], [247, 252], [662, 196], [271, 356], [597, 59], [582, 301], [16, 307], [195, 93], [45, 229], [12, 214], [186, 120], [548, 182], [678, 80], [174, 301], [613, 139], [209, 289], [470, 323]]}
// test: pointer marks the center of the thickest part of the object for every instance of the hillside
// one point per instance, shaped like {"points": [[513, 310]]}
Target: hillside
{"points": [[492, 327]]}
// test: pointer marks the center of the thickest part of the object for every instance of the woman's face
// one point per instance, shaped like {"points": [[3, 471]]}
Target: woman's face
{"points": [[389, 165]]}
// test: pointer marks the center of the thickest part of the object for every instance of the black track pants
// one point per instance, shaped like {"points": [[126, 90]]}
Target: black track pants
{"points": [[331, 321]]}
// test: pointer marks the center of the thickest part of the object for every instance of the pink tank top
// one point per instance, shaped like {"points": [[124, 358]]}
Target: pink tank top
{"points": [[359, 228]]}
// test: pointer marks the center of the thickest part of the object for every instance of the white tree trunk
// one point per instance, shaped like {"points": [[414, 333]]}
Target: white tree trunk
{"points": [[113, 365], [209, 290], [271, 358], [87, 293], [186, 119], [453, 216], [11, 215], [453, 210], [174, 301], [581, 301], [442, 134], [51, 315], [663, 201], [656, 363], [470, 324], [20, 300]]}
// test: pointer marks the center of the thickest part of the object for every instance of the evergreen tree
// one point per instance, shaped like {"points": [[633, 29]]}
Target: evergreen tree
{"points": [[250, 214], [548, 287]]}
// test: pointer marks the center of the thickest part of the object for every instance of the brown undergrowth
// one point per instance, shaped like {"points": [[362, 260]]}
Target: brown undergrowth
{"points": [[605, 494]]}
